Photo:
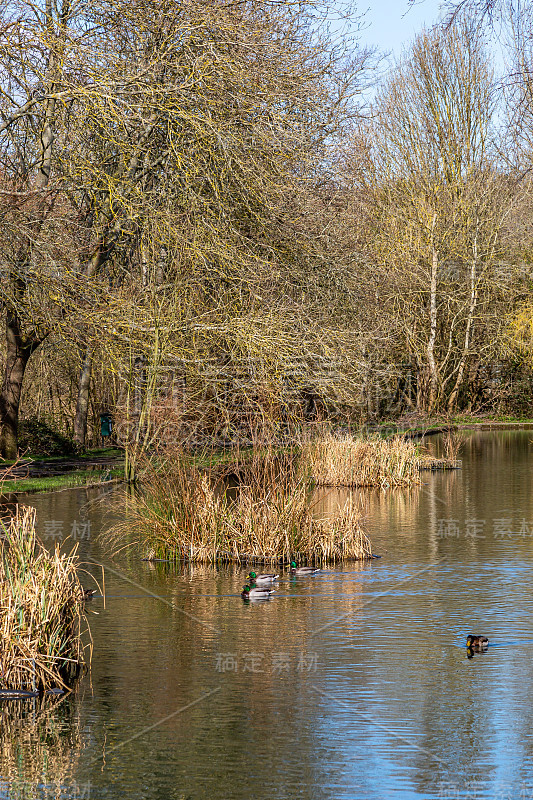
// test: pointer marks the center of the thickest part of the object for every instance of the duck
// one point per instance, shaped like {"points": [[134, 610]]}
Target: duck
{"points": [[303, 570], [476, 642], [255, 593], [260, 580]]}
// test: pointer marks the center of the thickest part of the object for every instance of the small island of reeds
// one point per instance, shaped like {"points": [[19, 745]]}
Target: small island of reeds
{"points": [[347, 460], [260, 504], [42, 621], [256, 507]]}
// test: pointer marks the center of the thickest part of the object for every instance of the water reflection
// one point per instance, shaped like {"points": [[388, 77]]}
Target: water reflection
{"points": [[42, 742], [352, 683]]}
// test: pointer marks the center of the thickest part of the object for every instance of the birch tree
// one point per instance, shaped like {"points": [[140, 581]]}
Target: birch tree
{"points": [[439, 204]]}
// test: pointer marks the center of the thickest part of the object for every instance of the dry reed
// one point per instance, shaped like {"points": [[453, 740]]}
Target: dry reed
{"points": [[348, 461], [41, 610], [452, 445], [189, 514]]}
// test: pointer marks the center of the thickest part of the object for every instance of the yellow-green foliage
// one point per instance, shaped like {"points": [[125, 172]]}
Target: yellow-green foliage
{"points": [[521, 330], [41, 610], [348, 461]]}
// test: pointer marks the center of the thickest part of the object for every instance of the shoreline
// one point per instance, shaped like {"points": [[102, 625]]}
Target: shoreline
{"points": [[436, 426], [90, 478]]}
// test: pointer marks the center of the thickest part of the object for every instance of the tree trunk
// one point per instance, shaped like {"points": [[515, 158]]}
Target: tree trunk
{"points": [[433, 378], [82, 403], [468, 333], [18, 352], [101, 254]]}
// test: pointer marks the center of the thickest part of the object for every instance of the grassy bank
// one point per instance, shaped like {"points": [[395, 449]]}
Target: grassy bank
{"points": [[69, 480], [41, 611], [107, 452], [35, 473], [332, 460], [418, 425]]}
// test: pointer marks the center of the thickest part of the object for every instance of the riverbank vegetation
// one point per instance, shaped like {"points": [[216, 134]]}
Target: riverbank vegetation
{"points": [[349, 461], [42, 622], [252, 244], [259, 508]]}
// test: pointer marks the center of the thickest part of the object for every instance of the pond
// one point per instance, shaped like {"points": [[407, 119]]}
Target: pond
{"points": [[353, 683]]}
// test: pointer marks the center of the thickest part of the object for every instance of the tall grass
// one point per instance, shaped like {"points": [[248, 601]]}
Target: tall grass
{"points": [[452, 444], [348, 461], [41, 610], [186, 513]]}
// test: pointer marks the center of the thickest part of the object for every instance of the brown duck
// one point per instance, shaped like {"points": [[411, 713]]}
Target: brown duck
{"points": [[474, 642]]}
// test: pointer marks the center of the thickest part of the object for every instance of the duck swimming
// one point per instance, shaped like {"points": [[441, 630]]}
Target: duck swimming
{"points": [[476, 642], [303, 570], [255, 593], [262, 579]]}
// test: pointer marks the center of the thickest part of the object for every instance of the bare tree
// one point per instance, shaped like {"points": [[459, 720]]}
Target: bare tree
{"points": [[191, 122], [439, 204]]}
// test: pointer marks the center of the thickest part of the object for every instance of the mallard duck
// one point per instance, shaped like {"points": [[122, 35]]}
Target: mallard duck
{"points": [[255, 593], [260, 580], [476, 642], [302, 570]]}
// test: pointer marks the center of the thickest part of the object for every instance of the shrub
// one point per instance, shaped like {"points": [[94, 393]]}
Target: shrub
{"points": [[37, 437]]}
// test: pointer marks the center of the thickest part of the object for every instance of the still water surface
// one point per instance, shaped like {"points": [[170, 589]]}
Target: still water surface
{"points": [[353, 683]]}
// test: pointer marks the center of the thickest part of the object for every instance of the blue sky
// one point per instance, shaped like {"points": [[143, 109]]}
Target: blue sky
{"points": [[392, 24]]}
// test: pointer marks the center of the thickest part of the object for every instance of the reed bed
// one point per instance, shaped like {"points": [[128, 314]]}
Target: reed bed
{"points": [[188, 514], [452, 446], [348, 461], [41, 611]]}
